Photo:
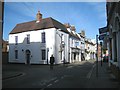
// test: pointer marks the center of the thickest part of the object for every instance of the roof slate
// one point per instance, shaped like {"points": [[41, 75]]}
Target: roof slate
{"points": [[43, 24]]}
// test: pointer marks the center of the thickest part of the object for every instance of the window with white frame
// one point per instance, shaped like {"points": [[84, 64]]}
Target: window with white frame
{"points": [[16, 40], [16, 54], [76, 43], [72, 42], [43, 37], [62, 37], [43, 54], [28, 38]]}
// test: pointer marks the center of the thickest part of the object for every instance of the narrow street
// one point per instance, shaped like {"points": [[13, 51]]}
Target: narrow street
{"points": [[76, 75], [79, 40]]}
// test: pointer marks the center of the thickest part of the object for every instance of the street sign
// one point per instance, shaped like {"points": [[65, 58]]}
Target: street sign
{"points": [[103, 30], [102, 36]]}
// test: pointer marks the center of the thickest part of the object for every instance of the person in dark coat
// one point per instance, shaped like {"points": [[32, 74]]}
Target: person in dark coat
{"points": [[52, 60]]}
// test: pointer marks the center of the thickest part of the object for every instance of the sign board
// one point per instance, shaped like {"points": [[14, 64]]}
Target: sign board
{"points": [[103, 30], [102, 36]]}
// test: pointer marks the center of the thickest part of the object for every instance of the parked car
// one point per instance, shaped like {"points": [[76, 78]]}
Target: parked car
{"points": [[105, 59]]}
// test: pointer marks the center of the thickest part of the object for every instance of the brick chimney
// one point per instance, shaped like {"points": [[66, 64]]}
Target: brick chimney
{"points": [[73, 28], [67, 25], [83, 33], [38, 17]]}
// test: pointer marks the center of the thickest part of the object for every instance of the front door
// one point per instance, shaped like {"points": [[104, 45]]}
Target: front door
{"points": [[28, 56], [74, 56]]}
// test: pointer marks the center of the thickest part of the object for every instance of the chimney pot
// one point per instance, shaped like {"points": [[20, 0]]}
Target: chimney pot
{"points": [[67, 25], [73, 28], [39, 16]]}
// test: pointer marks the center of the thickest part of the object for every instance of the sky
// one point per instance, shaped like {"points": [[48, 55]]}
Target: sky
{"points": [[88, 16]]}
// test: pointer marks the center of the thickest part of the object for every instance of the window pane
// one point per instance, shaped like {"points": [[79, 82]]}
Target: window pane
{"points": [[28, 39], [16, 40], [43, 37], [43, 54], [76, 43], [16, 54]]}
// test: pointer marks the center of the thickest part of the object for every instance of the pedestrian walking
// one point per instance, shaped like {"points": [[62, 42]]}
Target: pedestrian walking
{"points": [[52, 60]]}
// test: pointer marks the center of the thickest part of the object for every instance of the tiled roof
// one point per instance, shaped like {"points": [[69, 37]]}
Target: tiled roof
{"points": [[43, 24], [74, 35]]}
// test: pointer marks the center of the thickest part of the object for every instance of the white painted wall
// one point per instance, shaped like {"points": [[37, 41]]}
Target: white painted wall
{"points": [[57, 51], [35, 46], [73, 41], [92, 48], [72, 44]]}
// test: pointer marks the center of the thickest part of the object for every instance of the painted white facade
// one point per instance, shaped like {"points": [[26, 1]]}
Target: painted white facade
{"points": [[82, 46], [90, 49], [74, 47], [29, 43], [52, 46]]}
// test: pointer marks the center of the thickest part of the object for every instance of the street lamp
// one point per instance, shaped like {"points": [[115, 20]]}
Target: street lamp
{"points": [[97, 56], [101, 52]]}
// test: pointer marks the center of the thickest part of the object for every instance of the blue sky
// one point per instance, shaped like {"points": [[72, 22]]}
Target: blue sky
{"points": [[88, 16]]}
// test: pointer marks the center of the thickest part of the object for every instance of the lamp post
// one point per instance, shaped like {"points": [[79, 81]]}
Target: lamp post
{"points": [[97, 56], [47, 55], [101, 52]]}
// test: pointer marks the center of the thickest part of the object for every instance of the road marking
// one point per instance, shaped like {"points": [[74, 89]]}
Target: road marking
{"points": [[56, 81], [49, 85], [70, 67], [90, 73], [53, 78]]}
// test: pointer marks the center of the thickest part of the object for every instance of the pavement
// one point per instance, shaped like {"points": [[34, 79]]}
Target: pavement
{"points": [[100, 77]]}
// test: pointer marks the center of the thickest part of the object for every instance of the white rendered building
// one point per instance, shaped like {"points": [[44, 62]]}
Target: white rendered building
{"points": [[74, 44], [35, 41], [90, 49]]}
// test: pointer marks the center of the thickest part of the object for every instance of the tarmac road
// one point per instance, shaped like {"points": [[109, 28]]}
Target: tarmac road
{"points": [[76, 75]]}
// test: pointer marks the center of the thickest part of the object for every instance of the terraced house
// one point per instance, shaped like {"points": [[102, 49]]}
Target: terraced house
{"points": [[74, 43], [90, 49]]}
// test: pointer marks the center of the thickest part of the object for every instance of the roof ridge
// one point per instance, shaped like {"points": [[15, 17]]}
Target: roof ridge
{"points": [[52, 20], [33, 20]]}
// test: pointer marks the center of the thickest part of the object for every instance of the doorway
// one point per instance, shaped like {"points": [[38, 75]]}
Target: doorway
{"points": [[28, 54]]}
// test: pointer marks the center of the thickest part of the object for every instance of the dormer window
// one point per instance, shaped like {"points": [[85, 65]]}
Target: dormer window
{"points": [[43, 37]]}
